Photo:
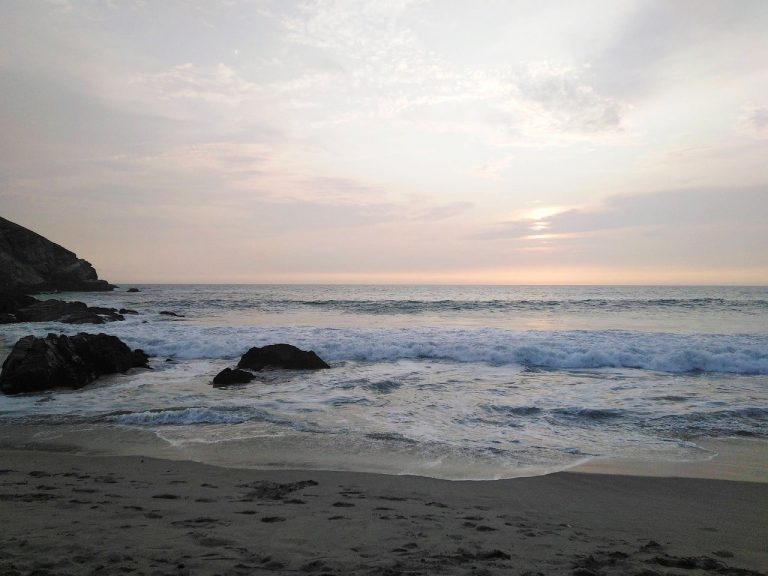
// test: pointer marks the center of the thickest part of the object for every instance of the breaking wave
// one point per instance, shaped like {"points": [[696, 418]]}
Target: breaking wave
{"points": [[671, 353]]}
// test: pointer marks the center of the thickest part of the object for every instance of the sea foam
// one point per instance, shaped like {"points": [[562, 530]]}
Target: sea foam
{"points": [[672, 353], [553, 350]]}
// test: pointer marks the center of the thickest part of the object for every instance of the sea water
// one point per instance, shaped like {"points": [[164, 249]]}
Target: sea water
{"points": [[446, 381]]}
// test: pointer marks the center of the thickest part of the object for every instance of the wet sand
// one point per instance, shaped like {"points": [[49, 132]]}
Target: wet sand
{"points": [[742, 459], [65, 513]]}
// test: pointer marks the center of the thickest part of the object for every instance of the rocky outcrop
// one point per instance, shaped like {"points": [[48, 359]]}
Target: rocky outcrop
{"points": [[281, 356], [68, 312], [229, 376], [31, 263], [37, 364]]}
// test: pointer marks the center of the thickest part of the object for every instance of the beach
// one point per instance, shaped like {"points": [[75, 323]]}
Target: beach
{"points": [[579, 431], [68, 513]]}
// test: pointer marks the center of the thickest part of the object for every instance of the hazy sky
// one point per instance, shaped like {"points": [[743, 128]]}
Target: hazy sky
{"points": [[391, 141]]}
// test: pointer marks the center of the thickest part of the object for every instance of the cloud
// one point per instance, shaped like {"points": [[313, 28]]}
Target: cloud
{"points": [[440, 211], [220, 84], [493, 169], [558, 99], [362, 28], [753, 121], [716, 227]]}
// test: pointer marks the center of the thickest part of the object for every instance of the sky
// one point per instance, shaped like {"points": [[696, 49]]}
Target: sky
{"points": [[399, 141]]}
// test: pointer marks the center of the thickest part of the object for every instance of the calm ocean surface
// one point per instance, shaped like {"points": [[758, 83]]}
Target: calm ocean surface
{"points": [[446, 381]]}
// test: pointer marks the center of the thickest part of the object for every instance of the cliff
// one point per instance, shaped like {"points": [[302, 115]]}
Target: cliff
{"points": [[31, 263]]}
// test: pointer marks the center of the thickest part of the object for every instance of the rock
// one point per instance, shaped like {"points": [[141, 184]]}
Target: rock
{"points": [[127, 311], [281, 356], [229, 376], [102, 310], [31, 263], [37, 364], [140, 358], [133, 290], [167, 313], [69, 312], [12, 300], [6, 318], [58, 311]]}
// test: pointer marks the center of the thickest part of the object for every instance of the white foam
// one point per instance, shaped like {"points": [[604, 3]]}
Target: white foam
{"points": [[662, 352]]}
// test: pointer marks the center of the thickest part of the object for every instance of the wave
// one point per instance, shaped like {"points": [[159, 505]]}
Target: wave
{"points": [[742, 421], [557, 350], [573, 350], [745, 421], [589, 413], [183, 417], [512, 410], [425, 306]]}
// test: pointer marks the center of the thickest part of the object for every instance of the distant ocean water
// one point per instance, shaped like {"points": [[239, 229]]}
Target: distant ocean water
{"points": [[447, 381]]}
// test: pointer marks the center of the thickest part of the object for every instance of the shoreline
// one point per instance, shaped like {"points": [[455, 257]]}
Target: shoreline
{"points": [[83, 514], [735, 459]]}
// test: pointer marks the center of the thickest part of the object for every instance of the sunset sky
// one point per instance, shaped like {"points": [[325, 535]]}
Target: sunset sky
{"points": [[391, 141]]}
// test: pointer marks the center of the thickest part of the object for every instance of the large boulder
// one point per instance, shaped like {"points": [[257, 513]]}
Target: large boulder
{"points": [[281, 356], [31, 263], [37, 364]]}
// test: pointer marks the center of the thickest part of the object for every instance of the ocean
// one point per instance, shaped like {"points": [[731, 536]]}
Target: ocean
{"points": [[470, 382]]}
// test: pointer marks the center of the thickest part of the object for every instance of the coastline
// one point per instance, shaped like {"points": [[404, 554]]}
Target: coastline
{"points": [[730, 458], [84, 514]]}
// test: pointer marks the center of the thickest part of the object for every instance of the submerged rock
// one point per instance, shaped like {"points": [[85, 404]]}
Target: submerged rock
{"points": [[281, 356], [133, 290], [58, 361], [174, 314], [229, 376]]}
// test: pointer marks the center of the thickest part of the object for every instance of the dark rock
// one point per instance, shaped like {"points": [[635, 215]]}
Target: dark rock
{"points": [[31, 263], [281, 356], [58, 311], [102, 310], [229, 376], [37, 364], [140, 359], [127, 311], [70, 312], [167, 313], [133, 290], [12, 300]]}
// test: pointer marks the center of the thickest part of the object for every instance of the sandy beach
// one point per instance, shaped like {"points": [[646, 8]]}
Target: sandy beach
{"points": [[81, 514]]}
